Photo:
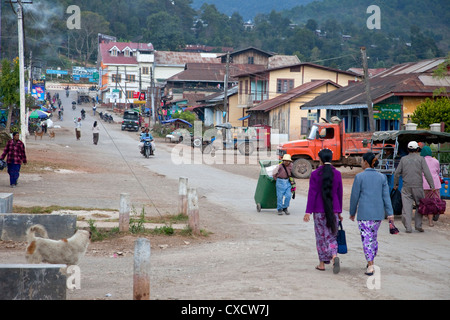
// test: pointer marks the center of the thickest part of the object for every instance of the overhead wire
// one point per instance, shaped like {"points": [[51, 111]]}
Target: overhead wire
{"points": [[131, 169]]}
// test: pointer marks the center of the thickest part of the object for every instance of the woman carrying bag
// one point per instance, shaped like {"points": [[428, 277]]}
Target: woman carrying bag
{"points": [[370, 197], [435, 169], [325, 202]]}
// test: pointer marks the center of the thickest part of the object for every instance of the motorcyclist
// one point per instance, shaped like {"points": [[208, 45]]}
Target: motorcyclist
{"points": [[146, 135], [83, 114]]}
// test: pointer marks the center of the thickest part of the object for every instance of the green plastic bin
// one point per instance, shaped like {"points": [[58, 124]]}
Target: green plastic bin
{"points": [[266, 191]]}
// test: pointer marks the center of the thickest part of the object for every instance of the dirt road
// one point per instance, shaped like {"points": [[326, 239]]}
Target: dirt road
{"points": [[247, 255]]}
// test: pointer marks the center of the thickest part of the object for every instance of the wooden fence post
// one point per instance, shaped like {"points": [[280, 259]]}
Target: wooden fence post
{"points": [[124, 212], [141, 274], [193, 210]]}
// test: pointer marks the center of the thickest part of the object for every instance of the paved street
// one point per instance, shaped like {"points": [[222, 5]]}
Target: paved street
{"points": [[249, 255]]}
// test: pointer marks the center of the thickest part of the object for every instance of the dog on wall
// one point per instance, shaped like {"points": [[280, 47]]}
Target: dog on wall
{"points": [[65, 251]]}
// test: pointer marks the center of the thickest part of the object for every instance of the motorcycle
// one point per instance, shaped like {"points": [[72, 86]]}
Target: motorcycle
{"points": [[67, 93], [147, 148], [74, 105], [101, 115], [83, 114]]}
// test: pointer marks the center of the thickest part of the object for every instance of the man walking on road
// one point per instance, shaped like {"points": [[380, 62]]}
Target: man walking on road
{"points": [[15, 150], [411, 168]]}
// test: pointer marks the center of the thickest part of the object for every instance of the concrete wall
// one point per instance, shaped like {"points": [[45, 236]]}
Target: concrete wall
{"points": [[13, 226], [6, 202], [32, 282]]}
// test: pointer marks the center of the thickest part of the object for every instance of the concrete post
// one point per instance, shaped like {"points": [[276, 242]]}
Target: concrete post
{"points": [[124, 212], [182, 195], [193, 210], [141, 275], [6, 202]]}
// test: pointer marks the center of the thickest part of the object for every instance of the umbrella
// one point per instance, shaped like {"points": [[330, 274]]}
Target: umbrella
{"points": [[39, 114], [44, 109]]}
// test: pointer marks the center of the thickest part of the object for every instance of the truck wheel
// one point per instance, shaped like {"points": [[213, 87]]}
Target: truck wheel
{"points": [[246, 148], [197, 142], [302, 169]]}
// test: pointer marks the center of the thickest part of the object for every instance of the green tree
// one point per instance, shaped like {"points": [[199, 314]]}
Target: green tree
{"points": [[167, 35], [433, 111], [9, 88]]}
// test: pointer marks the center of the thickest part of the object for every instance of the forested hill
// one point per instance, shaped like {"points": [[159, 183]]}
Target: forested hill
{"points": [[248, 9], [410, 30]]}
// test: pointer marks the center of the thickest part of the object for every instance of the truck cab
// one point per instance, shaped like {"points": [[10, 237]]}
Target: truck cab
{"points": [[347, 148], [131, 120]]}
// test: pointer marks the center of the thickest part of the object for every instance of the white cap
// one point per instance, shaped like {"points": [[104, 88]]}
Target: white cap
{"points": [[413, 145]]}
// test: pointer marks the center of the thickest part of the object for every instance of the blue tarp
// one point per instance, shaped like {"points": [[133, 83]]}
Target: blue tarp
{"points": [[175, 120], [244, 118]]}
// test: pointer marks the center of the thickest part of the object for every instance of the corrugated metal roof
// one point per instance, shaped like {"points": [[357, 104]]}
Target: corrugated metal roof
{"points": [[181, 58], [392, 82]]}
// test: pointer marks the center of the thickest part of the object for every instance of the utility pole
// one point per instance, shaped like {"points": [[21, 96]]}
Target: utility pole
{"points": [[225, 98], [368, 97], [30, 81], [152, 83], [23, 127]]}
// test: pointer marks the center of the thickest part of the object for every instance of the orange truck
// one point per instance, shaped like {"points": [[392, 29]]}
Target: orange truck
{"points": [[347, 148]]}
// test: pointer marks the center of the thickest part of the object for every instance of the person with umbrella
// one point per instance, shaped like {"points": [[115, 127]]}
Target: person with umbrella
{"points": [[15, 150]]}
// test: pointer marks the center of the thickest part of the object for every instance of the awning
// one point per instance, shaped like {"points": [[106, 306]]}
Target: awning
{"points": [[195, 107], [244, 118], [336, 107], [176, 120]]}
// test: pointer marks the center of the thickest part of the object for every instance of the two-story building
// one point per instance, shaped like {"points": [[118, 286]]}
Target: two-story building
{"points": [[125, 69], [291, 86]]}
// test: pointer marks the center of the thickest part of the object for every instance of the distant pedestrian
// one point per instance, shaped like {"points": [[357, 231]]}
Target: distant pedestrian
{"points": [[77, 128], [435, 169], [325, 203], [370, 197], [281, 174], [95, 132], [15, 150], [411, 168]]}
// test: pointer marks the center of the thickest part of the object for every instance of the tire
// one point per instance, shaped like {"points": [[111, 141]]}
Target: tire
{"points": [[197, 142], [147, 152], [302, 168], [246, 148]]}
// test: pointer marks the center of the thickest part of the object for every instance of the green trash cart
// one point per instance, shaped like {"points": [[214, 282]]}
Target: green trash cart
{"points": [[266, 192]]}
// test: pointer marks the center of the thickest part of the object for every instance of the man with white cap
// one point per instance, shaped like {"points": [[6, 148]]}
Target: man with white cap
{"points": [[411, 168]]}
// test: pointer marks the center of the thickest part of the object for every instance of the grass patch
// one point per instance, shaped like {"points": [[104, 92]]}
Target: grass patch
{"points": [[50, 209]]}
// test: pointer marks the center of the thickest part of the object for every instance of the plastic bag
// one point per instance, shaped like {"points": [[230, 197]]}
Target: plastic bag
{"points": [[396, 200]]}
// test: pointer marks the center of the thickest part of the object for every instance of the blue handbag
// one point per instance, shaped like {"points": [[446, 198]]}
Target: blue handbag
{"points": [[341, 240]]}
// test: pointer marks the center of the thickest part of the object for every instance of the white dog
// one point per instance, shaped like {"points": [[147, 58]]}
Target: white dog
{"points": [[64, 251]]}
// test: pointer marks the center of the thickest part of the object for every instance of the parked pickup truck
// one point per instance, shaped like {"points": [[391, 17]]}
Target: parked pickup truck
{"points": [[347, 148]]}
